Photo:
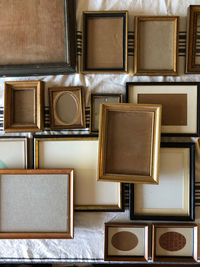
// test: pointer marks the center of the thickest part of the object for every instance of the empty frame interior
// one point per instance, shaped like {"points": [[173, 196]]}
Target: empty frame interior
{"points": [[172, 196], [36, 32], [129, 134], [105, 41], [156, 45], [179, 105], [13, 153], [82, 155], [36, 204]]}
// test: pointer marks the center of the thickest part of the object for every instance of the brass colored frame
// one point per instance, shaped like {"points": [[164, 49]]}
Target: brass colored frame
{"points": [[193, 13], [130, 178], [84, 40], [128, 257], [81, 107], [96, 208], [9, 87], [175, 258], [40, 235], [163, 72]]}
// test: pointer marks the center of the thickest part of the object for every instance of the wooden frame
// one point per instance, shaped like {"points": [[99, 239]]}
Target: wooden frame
{"points": [[13, 152], [60, 98], [173, 245], [192, 54], [153, 53], [126, 154], [124, 241], [15, 226], [34, 51], [20, 113], [95, 109], [106, 53], [180, 104], [172, 200], [81, 153]]}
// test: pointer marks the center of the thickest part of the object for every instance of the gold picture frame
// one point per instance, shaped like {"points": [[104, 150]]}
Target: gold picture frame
{"points": [[129, 143]]}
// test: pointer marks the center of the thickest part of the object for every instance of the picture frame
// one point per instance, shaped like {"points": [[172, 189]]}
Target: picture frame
{"points": [[175, 190], [180, 104], [35, 51], [100, 55], [126, 242], [96, 100], [81, 153], [174, 242], [120, 144], [37, 217], [13, 152], [154, 38], [23, 106], [67, 107], [192, 54]]}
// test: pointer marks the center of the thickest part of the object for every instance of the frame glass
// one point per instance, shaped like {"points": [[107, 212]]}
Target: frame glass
{"points": [[174, 242], [47, 41], [129, 143], [96, 100], [180, 104], [67, 107], [126, 242], [173, 198], [80, 153], [13, 153], [23, 106], [30, 201], [156, 45], [105, 38]]}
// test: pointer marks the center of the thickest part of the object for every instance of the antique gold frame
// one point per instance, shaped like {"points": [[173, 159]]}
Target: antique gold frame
{"points": [[155, 144], [108, 257], [45, 235], [175, 258], [163, 72], [9, 89]]}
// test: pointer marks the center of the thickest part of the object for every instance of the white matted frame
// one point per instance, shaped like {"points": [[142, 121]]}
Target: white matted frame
{"points": [[13, 153], [36, 204], [126, 242], [184, 115], [80, 153], [173, 198], [174, 242]]}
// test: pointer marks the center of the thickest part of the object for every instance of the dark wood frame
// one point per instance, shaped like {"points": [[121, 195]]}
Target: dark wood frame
{"points": [[193, 12], [171, 84], [157, 72], [102, 14], [175, 258], [81, 105], [46, 235], [191, 216], [9, 125], [79, 208], [126, 258], [93, 96], [67, 66]]}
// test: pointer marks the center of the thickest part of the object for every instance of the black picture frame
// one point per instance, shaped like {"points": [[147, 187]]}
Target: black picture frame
{"points": [[191, 216], [197, 84], [67, 66], [105, 14]]}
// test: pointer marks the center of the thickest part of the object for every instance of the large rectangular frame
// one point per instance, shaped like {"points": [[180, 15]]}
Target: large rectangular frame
{"points": [[44, 235], [192, 102], [119, 206], [67, 66], [163, 72], [190, 200]]}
